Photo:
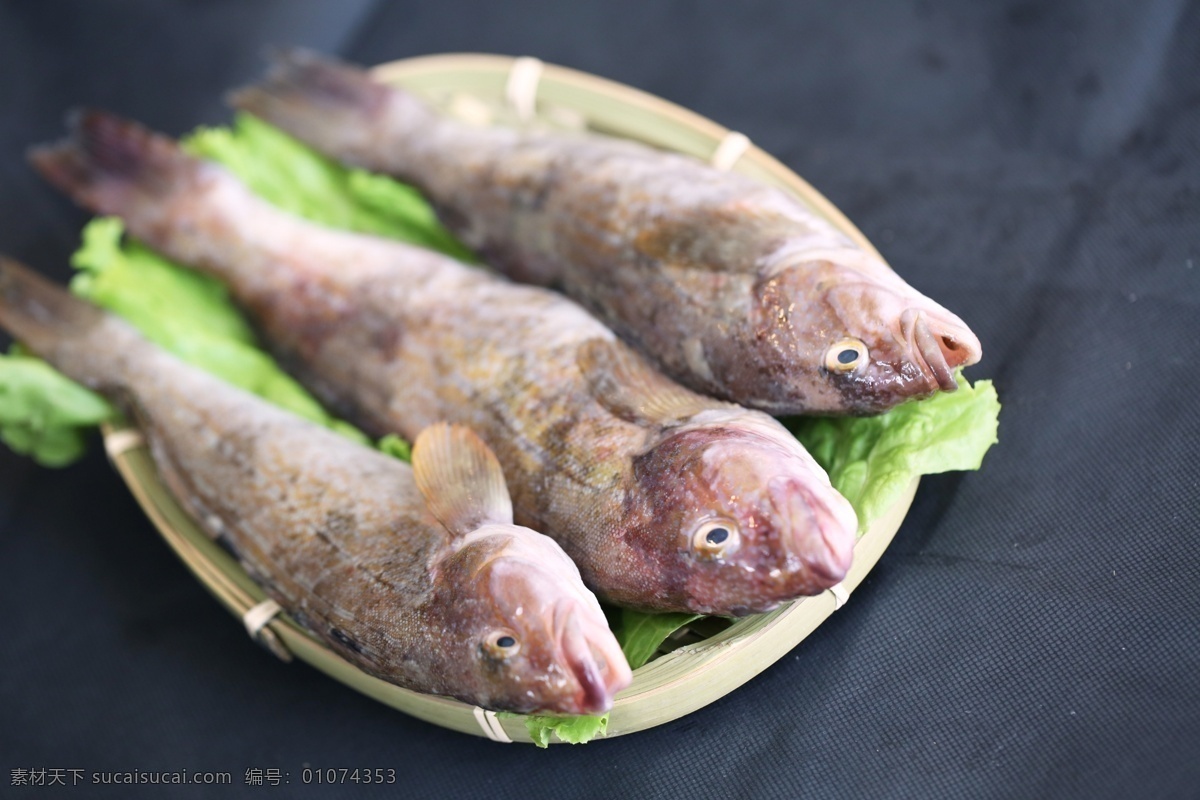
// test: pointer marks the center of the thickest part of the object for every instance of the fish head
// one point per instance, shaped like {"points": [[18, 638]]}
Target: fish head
{"points": [[741, 515], [857, 338], [535, 637]]}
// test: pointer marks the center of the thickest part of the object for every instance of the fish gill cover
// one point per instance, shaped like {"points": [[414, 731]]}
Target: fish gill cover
{"points": [[45, 415]]}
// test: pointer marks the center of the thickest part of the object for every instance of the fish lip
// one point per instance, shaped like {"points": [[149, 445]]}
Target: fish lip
{"points": [[927, 353], [839, 547], [828, 549], [599, 672]]}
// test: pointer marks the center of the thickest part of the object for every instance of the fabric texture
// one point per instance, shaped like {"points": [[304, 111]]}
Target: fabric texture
{"points": [[1033, 630]]}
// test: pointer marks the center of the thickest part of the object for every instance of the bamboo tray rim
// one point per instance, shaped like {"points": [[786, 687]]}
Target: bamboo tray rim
{"points": [[667, 688]]}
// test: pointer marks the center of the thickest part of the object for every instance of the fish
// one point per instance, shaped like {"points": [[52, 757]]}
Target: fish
{"points": [[732, 287], [666, 500], [417, 576]]}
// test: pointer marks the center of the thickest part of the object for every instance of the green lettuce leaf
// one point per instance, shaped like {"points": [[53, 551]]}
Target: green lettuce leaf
{"points": [[44, 415], [202, 327], [641, 634], [396, 447], [872, 460], [298, 179], [572, 730]]}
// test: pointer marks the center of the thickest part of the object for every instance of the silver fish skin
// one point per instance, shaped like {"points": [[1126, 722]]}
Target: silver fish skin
{"points": [[667, 501], [733, 287], [444, 595]]}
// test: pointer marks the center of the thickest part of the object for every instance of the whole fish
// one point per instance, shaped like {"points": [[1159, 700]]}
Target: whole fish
{"points": [[734, 288], [666, 500], [442, 595]]}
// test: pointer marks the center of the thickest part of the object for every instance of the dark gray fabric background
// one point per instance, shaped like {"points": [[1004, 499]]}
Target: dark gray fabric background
{"points": [[1034, 629]]}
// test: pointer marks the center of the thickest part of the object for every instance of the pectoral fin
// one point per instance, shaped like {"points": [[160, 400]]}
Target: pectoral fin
{"points": [[628, 386], [460, 479]]}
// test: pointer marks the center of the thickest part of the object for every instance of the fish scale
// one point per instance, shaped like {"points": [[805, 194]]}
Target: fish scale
{"points": [[600, 451], [733, 287], [412, 583]]}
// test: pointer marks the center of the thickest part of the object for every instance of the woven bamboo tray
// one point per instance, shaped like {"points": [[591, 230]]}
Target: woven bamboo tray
{"points": [[705, 664]]}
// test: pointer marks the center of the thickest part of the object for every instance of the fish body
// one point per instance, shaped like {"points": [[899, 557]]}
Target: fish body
{"points": [[667, 501], [421, 580], [732, 287]]}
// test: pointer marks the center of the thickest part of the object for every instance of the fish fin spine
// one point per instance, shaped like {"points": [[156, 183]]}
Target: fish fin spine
{"points": [[460, 479]]}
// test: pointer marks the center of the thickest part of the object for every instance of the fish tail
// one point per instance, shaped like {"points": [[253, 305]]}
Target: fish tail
{"points": [[43, 316], [111, 165], [337, 108]]}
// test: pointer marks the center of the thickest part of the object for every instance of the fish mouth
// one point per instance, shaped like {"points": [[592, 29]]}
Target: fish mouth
{"points": [[939, 347], [593, 658], [820, 534]]}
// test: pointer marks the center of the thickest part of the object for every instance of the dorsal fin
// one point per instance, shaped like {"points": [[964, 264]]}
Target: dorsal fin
{"points": [[460, 479], [628, 386]]}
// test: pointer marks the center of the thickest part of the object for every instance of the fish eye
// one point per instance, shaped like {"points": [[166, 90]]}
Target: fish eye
{"points": [[714, 538], [845, 355], [501, 644]]}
